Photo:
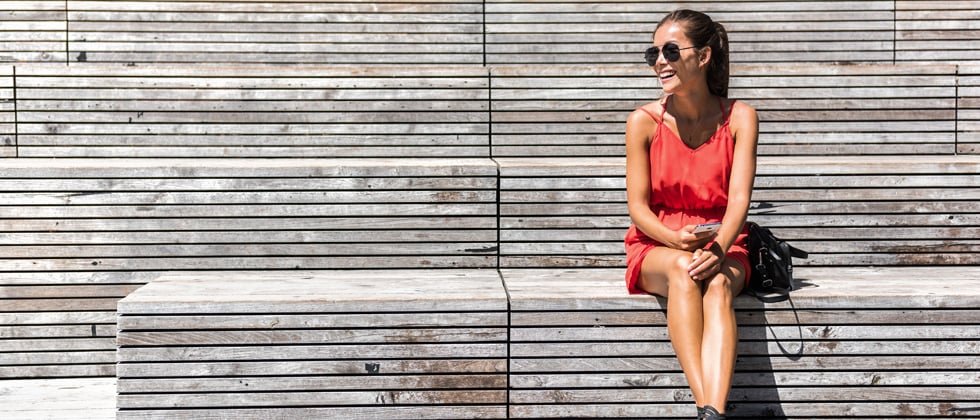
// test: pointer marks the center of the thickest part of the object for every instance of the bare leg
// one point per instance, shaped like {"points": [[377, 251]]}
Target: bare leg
{"points": [[664, 272], [718, 350], [700, 320]]}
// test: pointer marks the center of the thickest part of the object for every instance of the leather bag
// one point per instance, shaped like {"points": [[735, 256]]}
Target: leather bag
{"points": [[771, 278]]}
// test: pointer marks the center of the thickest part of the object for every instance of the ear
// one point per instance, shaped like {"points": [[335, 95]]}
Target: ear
{"points": [[704, 56]]}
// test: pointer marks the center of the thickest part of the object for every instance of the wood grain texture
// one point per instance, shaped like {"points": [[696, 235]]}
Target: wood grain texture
{"points": [[582, 346], [443, 348], [847, 210], [80, 234], [578, 111], [252, 111]]}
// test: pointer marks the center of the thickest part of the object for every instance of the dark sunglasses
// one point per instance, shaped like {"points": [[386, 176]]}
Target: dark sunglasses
{"points": [[672, 53]]}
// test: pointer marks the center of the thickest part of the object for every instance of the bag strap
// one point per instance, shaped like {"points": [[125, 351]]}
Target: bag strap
{"points": [[797, 253]]}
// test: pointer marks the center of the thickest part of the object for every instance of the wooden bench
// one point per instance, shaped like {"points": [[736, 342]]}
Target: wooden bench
{"points": [[250, 111], [927, 31], [33, 31], [554, 111], [760, 32], [386, 32], [386, 167], [844, 210], [526, 343], [315, 344], [465, 32], [79, 234], [852, 342], [613, 32]]}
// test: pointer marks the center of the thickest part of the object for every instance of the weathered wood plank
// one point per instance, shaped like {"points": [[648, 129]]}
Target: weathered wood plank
{"points": [[89, 398], [318, 291], [253, 32], [823, 288], [353, 413], [287, 321], [339, 383], [233, 111], [132, 369], [331, 336], [793, 105], [214, 400]]}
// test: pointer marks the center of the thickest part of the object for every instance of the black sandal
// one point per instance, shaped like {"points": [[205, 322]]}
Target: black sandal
{"points": [[711, 413], [700, 413]]}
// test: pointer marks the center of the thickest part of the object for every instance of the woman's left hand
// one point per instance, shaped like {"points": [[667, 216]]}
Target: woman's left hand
{"points": [[706, 262]]}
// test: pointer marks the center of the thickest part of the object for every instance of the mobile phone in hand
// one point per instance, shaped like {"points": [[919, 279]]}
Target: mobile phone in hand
{"points": [[707, 227]]}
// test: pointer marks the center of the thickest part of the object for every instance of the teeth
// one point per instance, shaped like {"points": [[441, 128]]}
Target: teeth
{"points": [[666, 74]]}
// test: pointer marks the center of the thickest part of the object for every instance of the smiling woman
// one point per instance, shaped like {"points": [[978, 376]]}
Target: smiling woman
{"points": [[690, 160]]}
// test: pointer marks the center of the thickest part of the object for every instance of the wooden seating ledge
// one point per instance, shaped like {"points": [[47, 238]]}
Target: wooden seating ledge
{"points": [[536, 343]]}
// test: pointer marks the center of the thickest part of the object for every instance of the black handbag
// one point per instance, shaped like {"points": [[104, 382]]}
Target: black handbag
{"points": [[771, 278]]}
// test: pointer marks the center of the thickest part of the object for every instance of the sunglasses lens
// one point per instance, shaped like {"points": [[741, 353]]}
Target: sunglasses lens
{"points": [[651, 55], [671, 52]]}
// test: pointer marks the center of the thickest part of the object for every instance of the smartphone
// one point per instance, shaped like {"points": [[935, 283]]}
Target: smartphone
{"points": [[707, 227]]}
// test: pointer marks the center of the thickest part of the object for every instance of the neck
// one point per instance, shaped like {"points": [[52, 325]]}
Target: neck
{"points": [[693, 106]]}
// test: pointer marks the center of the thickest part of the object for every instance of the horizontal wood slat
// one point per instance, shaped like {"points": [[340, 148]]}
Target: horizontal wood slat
{"points": [[342, 111], [580, 346], [387, 32], [80, 234], [946, 31], [847, 211], [33, 31], [803, 110], [520, 32], [393, 350], [535, 343], [465, 32], [251, 111], [341, 213]]}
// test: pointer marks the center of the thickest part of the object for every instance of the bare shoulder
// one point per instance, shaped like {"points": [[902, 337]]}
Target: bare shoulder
{"points": [[744, 115], [646, 113], [641, 122]]}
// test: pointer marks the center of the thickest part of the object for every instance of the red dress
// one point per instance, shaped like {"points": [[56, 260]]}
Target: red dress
{"points": [[689, 186]]}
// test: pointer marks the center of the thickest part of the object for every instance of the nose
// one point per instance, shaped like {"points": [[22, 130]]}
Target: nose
{"points": [[661, 60]]}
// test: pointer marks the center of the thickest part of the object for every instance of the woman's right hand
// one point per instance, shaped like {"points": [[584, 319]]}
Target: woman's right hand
{"points": [[687, 240]]}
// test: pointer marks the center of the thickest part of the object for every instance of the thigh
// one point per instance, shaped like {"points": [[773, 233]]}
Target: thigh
{"points": [[659, 265]]}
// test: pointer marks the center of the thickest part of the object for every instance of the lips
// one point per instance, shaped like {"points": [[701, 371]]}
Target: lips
{"points": [[667, 75]]}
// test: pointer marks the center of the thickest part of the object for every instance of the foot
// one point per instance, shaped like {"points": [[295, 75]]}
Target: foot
{"points": [[700, 413], [711, 413]]}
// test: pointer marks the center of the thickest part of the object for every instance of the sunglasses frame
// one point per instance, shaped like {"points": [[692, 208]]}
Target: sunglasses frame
{"points": [[670, 51]]}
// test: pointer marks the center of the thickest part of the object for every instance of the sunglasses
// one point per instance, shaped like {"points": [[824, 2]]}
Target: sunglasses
{"points": [[671, 52]]}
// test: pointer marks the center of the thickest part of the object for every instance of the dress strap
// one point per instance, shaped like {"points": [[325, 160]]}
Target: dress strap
{"points": [[658, 120], [728, 113]]}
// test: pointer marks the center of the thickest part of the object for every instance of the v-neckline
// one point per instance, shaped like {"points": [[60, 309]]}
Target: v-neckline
{"points": [[677, 136]]}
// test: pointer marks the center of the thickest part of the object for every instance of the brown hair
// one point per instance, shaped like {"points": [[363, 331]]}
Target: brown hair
{"points": [[705, 32]]}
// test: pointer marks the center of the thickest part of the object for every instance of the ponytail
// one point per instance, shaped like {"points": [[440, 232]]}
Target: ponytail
{"points": [[718, 70], [705, 32]]}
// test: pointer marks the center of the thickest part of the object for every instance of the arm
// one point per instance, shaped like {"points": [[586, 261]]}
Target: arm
{"points": [[745, 130]]}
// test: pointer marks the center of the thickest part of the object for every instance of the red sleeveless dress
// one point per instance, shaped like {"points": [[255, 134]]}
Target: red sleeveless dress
{"points": [[689, 186]]}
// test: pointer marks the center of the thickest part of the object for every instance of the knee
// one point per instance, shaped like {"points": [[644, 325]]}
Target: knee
{"points": [[680, 278], [719, 290]]}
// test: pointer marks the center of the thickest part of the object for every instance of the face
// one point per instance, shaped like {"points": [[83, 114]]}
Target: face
{"points": [[675, 74]]}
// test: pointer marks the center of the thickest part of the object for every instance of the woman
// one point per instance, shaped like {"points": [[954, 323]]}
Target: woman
{"points": [[690, 159]]}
